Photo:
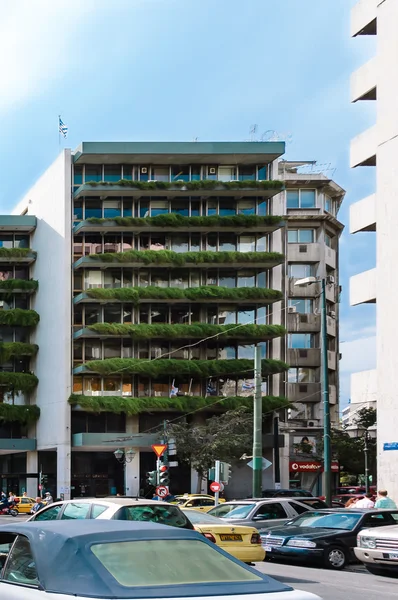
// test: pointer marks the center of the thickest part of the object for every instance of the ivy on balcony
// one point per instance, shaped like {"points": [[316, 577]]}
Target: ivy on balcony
{"points": [[16, 349], [18, 317], [17, 383], [25, 415], [202, 369], [203, 184], [9, 285], [134, 406], [16, 252], [177, 220], [195, 331], [210, 292], [185, 258]]}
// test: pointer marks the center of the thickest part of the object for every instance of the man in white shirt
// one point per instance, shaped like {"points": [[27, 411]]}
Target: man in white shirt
{"points": [[365, 502]]}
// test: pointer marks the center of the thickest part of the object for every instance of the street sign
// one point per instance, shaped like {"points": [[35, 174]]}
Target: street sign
{"points": [[173, 463], [162, 491], [159, 449], [390, 446], [264, 465], [40, 487], [216, 487]]}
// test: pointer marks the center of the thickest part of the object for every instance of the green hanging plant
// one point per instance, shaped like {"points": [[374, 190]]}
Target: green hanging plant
{"points": [[25, 415], [18, 317], [203, 184], [134, 406], [16, 349], [17, 383], [201, 369], [16, 252], [176, 220], [9, 285]]}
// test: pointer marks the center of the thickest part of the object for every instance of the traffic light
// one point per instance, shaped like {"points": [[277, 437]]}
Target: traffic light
{"points": [[225, 472], [152, 478], [164, 478], [43, 479]]}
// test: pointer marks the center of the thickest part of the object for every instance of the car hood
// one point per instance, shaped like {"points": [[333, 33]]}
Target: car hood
{"points": [[388, 531], [309, 533]]}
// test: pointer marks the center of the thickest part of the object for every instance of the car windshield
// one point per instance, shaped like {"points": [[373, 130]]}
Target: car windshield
{"points": [[164, 515], [232, 511], [198, 518], [169, 562], [339, 520]]}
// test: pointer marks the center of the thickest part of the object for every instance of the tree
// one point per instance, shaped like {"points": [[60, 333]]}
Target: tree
{"points": [[225, 437]]}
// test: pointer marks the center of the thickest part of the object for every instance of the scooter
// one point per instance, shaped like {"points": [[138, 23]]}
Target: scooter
{"points": [[11, 509]]}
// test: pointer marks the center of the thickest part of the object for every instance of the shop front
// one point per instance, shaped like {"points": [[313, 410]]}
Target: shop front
{"points": [[307, 475]]}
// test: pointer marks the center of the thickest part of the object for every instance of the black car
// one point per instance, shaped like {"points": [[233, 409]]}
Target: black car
{"points": [[326, 537], [286, 493]]}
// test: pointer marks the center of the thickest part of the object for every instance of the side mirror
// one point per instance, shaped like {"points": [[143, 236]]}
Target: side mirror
{"points": [[288, 522], [258, 518]]}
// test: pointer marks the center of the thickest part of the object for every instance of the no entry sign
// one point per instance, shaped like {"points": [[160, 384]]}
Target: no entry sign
{"points": [[216, 487], [162, 491]]}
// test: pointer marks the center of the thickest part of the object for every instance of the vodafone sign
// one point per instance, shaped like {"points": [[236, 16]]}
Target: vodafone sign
{"points": [[310, 467]]}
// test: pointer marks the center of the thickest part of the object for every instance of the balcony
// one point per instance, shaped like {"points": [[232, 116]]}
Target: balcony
{"points": [[100, 442], [330, 257], [332, 363], [331, 293], [304, 392], [11, 256], [13, 223], [303, 357], [363, 288], [303, 323], [307, 291], [364, 18], [364, 148], [304, 253], [13, 445], [331, 326], [363, 215], [332, 394], [363, 82]]}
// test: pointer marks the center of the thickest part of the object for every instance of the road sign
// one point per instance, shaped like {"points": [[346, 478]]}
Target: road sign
{"points": [[264, 465], [390, 446], [216, 487], [40, 487], [162, 491], [159, 449]]}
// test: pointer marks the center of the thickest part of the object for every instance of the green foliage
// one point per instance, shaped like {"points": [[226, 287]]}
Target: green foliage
{"points": [[19, 317], [204, 184], [190, 368], [134, 406], [17, 383], [17, 349], [177, 220], [180, 259], [17, 413], [197, 330], [16, 252], [366, 417], [207, 292], [10, 285]]}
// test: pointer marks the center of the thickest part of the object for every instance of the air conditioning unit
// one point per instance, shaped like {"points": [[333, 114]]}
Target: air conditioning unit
{"points": [[332, 314], [330, 279], [292, 309], [312, 423], [144, 169], [212, 170], [302, 248]]}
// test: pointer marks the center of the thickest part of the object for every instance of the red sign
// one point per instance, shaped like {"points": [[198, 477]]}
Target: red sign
{"points": [[162, 491], [310, 466], [216, 487], [159, 449]]}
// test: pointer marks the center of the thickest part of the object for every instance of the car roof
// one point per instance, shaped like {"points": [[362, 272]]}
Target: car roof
{"points": [[112, 500]]}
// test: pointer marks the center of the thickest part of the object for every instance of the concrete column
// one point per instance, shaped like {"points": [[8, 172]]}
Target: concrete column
{"points": [[32, 484], [64, 470], [285, 460], [132, 469], [194, 483]]}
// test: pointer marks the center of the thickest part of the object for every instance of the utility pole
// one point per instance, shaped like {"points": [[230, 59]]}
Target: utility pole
{"points": [[327, 458], [277, 467], [217, 479], [257, 427]]}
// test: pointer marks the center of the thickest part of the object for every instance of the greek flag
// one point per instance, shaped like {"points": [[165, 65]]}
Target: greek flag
{"points": [[63, 129], [247, 385]]}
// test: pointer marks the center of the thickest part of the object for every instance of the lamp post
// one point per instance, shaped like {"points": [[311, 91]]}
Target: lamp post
{"points": [[327, 454], [356, 431], [124, 457]]}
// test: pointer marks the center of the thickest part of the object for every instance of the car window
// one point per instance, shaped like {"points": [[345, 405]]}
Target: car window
{"points": [[206, 502], [97, 510], [298, 508], [313, 504], [20, 566], [194, 502], [201, 518], [25, 501], [165, 515], [375, 521], [223, 510], [48, 515], [346, 520], [271, 510], [76, 510], [6, 542], [395, 516]]}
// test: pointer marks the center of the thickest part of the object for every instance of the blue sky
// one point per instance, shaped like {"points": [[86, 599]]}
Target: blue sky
{"points": [[183, 69]]}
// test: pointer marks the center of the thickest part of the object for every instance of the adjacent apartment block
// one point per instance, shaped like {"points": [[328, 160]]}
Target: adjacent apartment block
{"points": [[378, 147], [159, 267]]}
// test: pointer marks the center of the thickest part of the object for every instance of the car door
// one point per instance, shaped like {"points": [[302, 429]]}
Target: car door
{"points": [[48, 514], [268, 514]]}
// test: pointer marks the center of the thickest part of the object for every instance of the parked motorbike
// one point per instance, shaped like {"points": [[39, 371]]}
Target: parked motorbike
{"points": [[11, 509]]}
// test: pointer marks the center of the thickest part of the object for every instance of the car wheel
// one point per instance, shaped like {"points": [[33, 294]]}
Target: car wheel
{"points": [[375, 570], [335, 558]]}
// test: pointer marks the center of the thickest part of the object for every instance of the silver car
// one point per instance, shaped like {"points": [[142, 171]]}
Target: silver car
{"points": [[261, 513], [377, 548]]}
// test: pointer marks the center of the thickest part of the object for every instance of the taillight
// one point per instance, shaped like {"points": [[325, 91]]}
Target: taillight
{"points": [[211, 537], [256, 539]]}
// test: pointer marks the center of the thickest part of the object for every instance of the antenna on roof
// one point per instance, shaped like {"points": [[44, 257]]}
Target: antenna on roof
{"points": [[253, 131]]}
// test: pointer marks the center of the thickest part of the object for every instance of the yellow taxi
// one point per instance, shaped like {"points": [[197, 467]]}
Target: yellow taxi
{"points": [[202, 502], [243, 542], [24, 504]]}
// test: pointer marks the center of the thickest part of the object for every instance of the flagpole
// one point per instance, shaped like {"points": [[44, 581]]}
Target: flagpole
{"points": [[59, 133]]}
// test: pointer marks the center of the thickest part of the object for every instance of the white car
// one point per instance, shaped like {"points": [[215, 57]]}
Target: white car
{"points": [[377, 548], [59, 560]]}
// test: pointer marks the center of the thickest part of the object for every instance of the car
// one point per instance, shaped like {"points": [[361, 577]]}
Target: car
{"points": [[124, 560], [326, 537], [260, 512], [242, 542], [377, 549], [201, 502], [293, 493], [24, 504], [125, 509]]}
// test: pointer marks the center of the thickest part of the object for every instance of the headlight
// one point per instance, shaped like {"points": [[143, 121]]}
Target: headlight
{"points": [[366, 542], [301, 543]]}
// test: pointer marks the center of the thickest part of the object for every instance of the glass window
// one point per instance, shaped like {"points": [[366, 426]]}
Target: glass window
{"points": [[92, 384], [128, 172], [232, 511], [112, 314], [77, 210], [245, 316], [227, 242], [163, 515], [292, 199], [342, 520], [21, 241], [112, 349], [301, 375], [271, 511], [97, 510], [246, 207], [92, 315], [180, 207], [112, 208], [196, 173], [246, 352], [227, 279], [261, 173], [180, 243], [77, 175], [262, 244], [226, 173], [127, 208], [92, 350], [144, 173], [144, 208], [93, 173], [6, 241], [329, 205], [328, 240], [48, 515], [160, 173], [246, 243], [195, 208], [246, 279], [211, 242], [262, 208], [159, 207], [307, 198], [212, 207], [21, 567], [300, 340], [180, 173], [112, 384], [211, 172], [227, 207], [112, 173], [226, 315], [93, 208], [300, 270], [302, 305], [92, 279], [301, 236], [76, 510], [247, 173]]}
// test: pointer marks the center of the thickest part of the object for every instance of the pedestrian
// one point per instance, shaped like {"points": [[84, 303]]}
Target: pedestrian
{"points": [[365, 502], [48, 498], [24, 495], [350, 503], [38, 505], [383, 501], [11, 498]]}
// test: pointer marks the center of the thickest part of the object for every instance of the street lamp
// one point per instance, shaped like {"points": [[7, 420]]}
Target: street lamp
{"points": [[327, 455], [124, 456], [356, 431]]}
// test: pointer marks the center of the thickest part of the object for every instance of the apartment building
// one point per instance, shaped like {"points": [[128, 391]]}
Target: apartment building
{"points": [[160, 266], [377, 147]]}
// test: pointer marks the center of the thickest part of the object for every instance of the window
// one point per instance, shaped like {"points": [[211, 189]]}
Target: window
{"points": [[301, 236], [112, 208], [226, 173], [246, 243], [97, 510], [329, 205], [159, 207], [93, 173], [163, 515], [21, 567], [112, 173], [180, 173], [77, 175], [76, 510], [301, 375], [300, 340], [303, 306], [301, 199], [49, 515], [160, 173], [328, 240], [247, 173], [270, 511], [300, 270], [298, 508]]}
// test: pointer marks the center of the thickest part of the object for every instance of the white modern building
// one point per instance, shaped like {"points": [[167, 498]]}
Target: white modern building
{"points": [[378, 147]]}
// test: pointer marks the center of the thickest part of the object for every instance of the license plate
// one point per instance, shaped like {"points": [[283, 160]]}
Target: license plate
{"points": [[268, 548], [393, 556], [230, 537]]}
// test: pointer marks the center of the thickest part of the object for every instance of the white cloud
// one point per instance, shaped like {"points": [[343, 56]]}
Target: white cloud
{"points": [[358, 355]]}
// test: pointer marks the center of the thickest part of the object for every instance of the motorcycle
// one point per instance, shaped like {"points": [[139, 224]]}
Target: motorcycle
{"points": [[11, 509]]}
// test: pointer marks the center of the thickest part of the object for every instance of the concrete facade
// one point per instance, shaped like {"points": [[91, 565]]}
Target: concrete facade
{"points": [[376, 17]]}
